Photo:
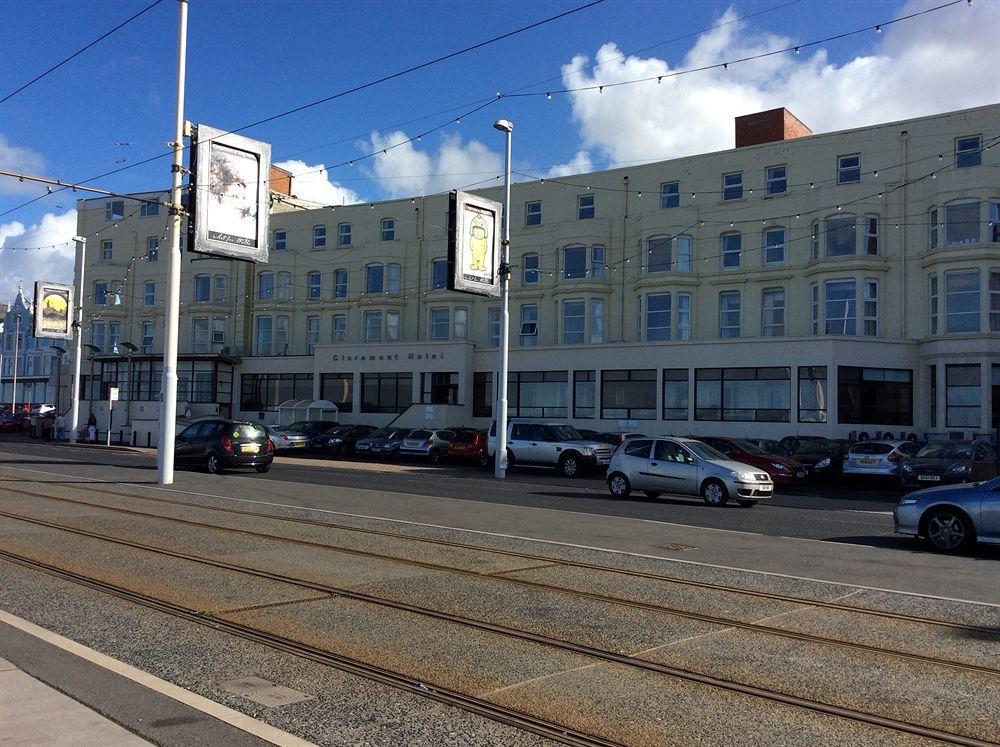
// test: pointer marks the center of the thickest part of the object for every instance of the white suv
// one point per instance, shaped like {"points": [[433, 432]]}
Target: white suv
{"points": [[542, 443]]}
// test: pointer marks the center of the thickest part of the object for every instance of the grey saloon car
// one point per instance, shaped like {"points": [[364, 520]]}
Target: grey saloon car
{"points": [[688, 467], [952, 517]]}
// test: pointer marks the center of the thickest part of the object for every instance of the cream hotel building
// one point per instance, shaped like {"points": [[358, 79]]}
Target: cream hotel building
{"points": [[796, 284]]}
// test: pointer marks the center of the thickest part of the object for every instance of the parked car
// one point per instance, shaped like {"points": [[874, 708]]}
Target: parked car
{"points": [[19, 421], [783, 471], [373, 443], [616, 438], [952, 517], [943, 462], [794, 443], [542, 443], [878, 458], [427, 444], [686, 467], [770, 446], [822, 457], [587, 433], [297, 435], [341, 441], [224, 444], [470, 446]]}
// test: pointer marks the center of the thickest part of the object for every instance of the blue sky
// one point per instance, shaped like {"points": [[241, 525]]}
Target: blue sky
{"points": [[251, 60]]}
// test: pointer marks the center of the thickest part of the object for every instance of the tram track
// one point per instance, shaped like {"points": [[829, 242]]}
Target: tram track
{"points": [[568, 646]]}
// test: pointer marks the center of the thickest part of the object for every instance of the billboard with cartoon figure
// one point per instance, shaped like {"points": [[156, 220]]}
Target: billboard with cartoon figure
{"points": [[53, 310], [474, 244]]}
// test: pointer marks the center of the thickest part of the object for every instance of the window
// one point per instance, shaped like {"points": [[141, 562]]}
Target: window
{"points": [[961, 223], [670, 195], [340, 284], [218, 333], [439, 388], [732, 248], [584, 394], [537, 394], [373, 326], [281, 335], [658, 306], [993, 227], [388, 229], [149, 209], [814, 307], [729, 314], [746, 394], [394, 282], [493, 326], [221, 290], [461, 323], [100, 294], [962, 396], [875, 396], [575, 262], [848, 169], [529, 326], [629, 394], [266, 392], [961, 301], [675, 394], [373, 278], [732, 186], [97, 334], [440, 324], [386, 392], [968, 151], [339, 389], [482, 394], [871, 234], [841, 235], [312, 334], [265, 287], [152, 249], [596, 320], [199, 335], [339, 333], [812, 394], [344, 234], [439, 273], [319, 237], [280, 241], [574, 321], [932, 304], [815, 240], [683, 316], [774, 246], [933, 229], [841, 311], [532, 214], [530, 271], [392, 326], [659, 250], [146, 346], [149, 293], [598, 263], [773, 313], [315, 285], [107, 250], [932, 380], [995, 301], [777, 180], [114, 210], [284, 290], [585, 207], [871, 308]]}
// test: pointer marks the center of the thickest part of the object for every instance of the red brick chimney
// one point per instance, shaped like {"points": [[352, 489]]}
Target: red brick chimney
{"points": [[768, 127], [280, 181]]}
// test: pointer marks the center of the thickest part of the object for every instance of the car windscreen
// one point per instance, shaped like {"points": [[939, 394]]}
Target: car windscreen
{"points": [[705, 451], [871, 448], [420, 434], [819, 447], [565, 433], [244, 431], [465, 437], [380, 433], [945, 451], [751, 448]]}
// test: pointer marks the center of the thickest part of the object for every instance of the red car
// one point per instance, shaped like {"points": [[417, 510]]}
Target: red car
{"points": [[470, 446], [15, 423], [783, 471]]}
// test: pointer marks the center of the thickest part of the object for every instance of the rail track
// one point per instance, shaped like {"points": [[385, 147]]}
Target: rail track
{"points": [[598, 654]]}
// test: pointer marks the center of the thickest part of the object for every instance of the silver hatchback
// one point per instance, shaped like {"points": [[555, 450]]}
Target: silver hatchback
{"points": [[428, 444], [878, 458], [687, 467]]}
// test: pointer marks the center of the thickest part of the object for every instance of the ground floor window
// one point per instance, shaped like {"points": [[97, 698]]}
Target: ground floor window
{"points": [[749, 394], [386, 392], [812, 394], [584, 394], [339, 389], [879, 396], [629, 394], [482, 394], [963, 396], [537, 394], [265, 392], [439, 388], [675, 394]]}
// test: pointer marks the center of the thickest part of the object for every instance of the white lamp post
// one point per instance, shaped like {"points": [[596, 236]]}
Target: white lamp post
{"points": [[500, 468]]}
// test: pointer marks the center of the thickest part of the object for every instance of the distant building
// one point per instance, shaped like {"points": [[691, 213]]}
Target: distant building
{"points": [[799, 283], [37, 363]]}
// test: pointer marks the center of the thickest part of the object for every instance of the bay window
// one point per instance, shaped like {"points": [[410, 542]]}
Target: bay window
{"points": [[658, 308], [961, 301], [961, 223], [841, 307]]}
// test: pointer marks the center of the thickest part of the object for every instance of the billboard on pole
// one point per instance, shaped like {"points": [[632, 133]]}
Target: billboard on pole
{"points": [[474, 244], [53, 310], [229, 195]]}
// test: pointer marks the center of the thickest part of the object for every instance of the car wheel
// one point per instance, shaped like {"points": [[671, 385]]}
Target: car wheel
{"points": [[745, 503], [262, 468], [569, 465], [619, 485], [510, 459], [483, 460], [714, 492], [949, 530], [652, 493], [213, 464], [434, 456]]}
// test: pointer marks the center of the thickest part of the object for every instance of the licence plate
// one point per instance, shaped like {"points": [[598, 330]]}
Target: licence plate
{"points": [[298, 444], [929, 478], [868, 461], [800, 474], [250, 448]]}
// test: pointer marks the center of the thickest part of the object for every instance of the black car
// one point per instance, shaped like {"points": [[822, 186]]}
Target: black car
{"points": [[341, 441], [794, 443], [224, 444], [823, 458], [943, 462], [614, 438]]}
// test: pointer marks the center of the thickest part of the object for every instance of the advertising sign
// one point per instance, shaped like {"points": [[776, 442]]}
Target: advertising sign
{"points": [[53, 310], [228, 195], [113, 394], [474, 244]]}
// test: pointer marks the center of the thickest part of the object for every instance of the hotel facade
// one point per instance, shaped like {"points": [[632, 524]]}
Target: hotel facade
{"points": [[824, 284]]}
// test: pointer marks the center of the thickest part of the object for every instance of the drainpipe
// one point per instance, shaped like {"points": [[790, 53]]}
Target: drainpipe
{"points": [[904, 138], [621, 299]]}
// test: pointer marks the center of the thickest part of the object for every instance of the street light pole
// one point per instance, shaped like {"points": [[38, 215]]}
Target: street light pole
{"points": [[13, 389], [168, 407], [500, 456], [74, 424]]}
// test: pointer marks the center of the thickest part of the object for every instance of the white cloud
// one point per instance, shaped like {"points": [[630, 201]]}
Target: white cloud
{"points": [[23, 161], [581, 163], [934, 63], [405, 171], [53, 265], [311, 182]]}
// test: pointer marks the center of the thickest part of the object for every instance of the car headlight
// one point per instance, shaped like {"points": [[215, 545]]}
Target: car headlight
{"points": [[587, 451], [959, 469], [825, 462], [907, 501], [779, 467], [744, 476]]}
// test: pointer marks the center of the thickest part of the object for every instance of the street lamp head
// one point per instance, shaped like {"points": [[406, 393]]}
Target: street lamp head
{"points": [[131, 347], [59, 349], [81, 239], [504, 125], [92, 348]]}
